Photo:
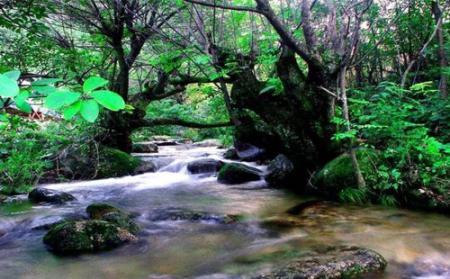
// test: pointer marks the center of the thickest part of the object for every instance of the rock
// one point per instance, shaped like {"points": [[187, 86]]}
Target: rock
{"points": [[336, 262], [230, 154], [76, 237], [144, 167], [280, 171], [432, 199], [208, 143], [145, 147], [78, 163], [181, 214], [235, 173], [338, 174], [39, 195], [121, 220], [3, 198], [97, 210], [204, 166], [116, 163], [249, 153], [109, 213]]}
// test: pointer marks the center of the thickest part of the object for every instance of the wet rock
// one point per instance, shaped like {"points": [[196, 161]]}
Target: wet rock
{"points": [[235, 173], [204, 166], [336, 262], [181, 214], [76, 237], [429, 199], [280, 171], [144, 167], [3, 198], [109, 213], [230, 154], [299, 208], [39, 195], [145, 147], [97, 210], [248, 152]]}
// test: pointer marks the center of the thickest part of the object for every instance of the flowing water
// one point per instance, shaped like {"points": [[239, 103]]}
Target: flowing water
{"points": [[416, 245]]}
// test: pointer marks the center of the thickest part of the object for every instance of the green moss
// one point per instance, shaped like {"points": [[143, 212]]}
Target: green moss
{"points": [[114, 163], [235, 173], [97, 210], [339, 174]]}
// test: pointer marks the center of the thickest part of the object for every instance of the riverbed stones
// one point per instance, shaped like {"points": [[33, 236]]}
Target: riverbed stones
{"points": [[182, 214], [280, 171], [43, 195], [145, 147], [75, 237], [334, 262], [235, 173], [207, 165]]}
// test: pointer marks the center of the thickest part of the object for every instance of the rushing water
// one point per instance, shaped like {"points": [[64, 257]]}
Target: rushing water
{"points": [[410, 241]]}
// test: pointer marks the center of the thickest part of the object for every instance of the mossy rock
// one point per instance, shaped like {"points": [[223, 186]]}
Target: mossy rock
{"points": [[339, 174], [115, 163], [333, 262], [97, 210], [235, 173], [76, 237], [109, 213]]}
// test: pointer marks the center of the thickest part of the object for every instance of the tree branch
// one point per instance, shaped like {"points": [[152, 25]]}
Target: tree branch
{"points": [[225, 7]]}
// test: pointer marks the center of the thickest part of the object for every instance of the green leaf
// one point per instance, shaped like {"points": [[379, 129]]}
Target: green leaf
{"points": [[59, 99], [21, 102], [3, 118], [8, 87], [46, 81], [45, 89], [93, 83], [109, 99], [89, 110], [14, 75], [72, 110]]}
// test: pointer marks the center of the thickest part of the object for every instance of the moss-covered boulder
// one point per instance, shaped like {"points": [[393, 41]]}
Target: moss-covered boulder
{"points": [[145, 147], [97, 210], [339, 173], [114, 163], [109, 213], [235, 173], [76, 237], [334, 262], [43, 195]]}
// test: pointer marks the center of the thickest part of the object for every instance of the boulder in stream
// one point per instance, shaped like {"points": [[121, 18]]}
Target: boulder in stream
{"points": [[230, 154], [76, 237], [334, 262], [235, 173], [204, 166], [280, 171], [43, 195], [109, 213]]}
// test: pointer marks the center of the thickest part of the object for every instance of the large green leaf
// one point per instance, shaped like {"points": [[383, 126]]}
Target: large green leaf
{"points": [[109, 100], [89, 110], [8, 87], [72, 110], [93, 83], [14, 75], [44, 89], [22, 102], [59, 99]]}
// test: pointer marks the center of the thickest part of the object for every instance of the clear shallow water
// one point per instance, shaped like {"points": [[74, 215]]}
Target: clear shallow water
{"points": [[408, 240]]}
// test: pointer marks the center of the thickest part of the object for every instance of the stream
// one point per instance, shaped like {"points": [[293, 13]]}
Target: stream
{"points": [[415, 244]]}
